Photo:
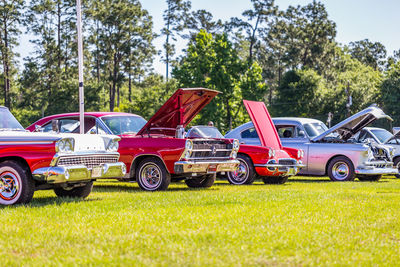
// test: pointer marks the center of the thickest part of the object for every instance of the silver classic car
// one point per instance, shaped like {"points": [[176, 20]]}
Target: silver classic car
{"points": [[382, 136], [333, 152]]}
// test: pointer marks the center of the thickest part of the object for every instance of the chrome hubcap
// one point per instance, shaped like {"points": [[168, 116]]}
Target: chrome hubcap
{"points": [[240, 175], [150, 176], [9, 185], [340, 170]]}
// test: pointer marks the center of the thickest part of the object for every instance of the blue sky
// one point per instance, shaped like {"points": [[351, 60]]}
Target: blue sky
{"points": [[355, 20]]}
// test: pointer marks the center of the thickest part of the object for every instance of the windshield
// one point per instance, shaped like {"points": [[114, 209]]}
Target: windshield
{"points": [[315, 128], [124, 124], [382, 135], [8, 122], [205, 132]]}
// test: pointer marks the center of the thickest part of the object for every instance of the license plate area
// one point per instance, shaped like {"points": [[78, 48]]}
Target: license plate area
{"points": [[96, 172], [212, 168]]}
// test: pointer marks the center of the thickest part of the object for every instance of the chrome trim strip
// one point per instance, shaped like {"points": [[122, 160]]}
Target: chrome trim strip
{"points": [[13, 143], [280, 165], [201, 150]]}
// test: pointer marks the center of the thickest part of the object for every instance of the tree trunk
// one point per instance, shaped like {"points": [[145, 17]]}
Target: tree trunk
{"points": [[118, 96], [114, 82], [228, 114], [97, 53], [6, 68], [59, 36], [252, 40], [130, 85]]}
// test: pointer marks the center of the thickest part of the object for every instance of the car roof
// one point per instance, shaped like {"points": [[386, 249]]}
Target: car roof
{"points": [[94, 114], [295, 119]]}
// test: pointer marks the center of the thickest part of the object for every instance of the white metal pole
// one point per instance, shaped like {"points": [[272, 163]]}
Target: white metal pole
{"points": [[80, 67]]}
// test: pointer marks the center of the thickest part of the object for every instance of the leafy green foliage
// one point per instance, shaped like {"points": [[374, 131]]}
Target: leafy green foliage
{"points": [[214, 63], [369, 53], [390, 93]]}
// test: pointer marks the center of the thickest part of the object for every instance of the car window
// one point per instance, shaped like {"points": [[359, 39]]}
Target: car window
{"points": [[286, 131], [249, 133], [70, 125], [382, 135], [124, 124], [289, 131], [314, 129], [395, 141], [364, 135]]}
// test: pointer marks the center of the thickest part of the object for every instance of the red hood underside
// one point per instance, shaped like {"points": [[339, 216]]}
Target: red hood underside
{"points": [[179, 109], [263, 123]]}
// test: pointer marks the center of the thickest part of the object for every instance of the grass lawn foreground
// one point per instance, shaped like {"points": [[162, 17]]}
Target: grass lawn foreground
{"points": [[307, 221]]}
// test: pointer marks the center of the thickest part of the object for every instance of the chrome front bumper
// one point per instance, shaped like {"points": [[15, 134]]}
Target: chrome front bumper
{"points": [[77, 173], [376, 168], [205, 166], [289, 170]]}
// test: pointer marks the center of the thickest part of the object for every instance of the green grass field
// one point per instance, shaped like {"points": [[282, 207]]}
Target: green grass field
{"points": [[307, 221]]}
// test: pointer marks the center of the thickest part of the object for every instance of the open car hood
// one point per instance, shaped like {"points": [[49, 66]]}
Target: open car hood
{"points": [[263, 123], [179, 109], [350, 126]]}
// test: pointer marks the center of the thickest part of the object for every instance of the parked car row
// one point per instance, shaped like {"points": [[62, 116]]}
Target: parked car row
{"points": [[50, 154]]}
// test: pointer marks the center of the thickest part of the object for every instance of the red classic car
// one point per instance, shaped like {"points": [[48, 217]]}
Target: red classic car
{"points": [[66, 163], [156, 152], [270, 161]]}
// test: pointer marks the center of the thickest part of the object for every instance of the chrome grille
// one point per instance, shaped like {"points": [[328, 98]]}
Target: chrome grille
{"points": [[214, 149], [287, 161], [89, 161]]}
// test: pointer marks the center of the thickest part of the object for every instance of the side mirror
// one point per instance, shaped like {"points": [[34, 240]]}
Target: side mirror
{"points": [[92, 131], [54, 126], [301, 134], [38, 128], [180, 132]]}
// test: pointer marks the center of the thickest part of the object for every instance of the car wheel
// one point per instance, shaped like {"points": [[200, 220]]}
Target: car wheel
{"points": [[341, 169], [245, 173], [78, 192], [16, 186], [201, 181], [151, 175], [274, 179], [369, 178], [396, 163]]}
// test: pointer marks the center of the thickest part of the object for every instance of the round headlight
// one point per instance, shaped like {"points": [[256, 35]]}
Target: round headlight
{"points": [[68, 146], [273, 152], [391, 151], [113, 146], [187, 154], [234, 155], [65, 145], [270, 153], [236, 144], [62, 145], [189, 145]]}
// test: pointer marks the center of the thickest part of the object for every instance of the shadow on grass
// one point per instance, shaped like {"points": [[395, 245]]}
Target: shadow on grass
{"points": [[47, 201], [118, 187], [310, 180]]}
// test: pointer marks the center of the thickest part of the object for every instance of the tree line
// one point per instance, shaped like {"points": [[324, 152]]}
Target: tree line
{"points": [[289, 59]]}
